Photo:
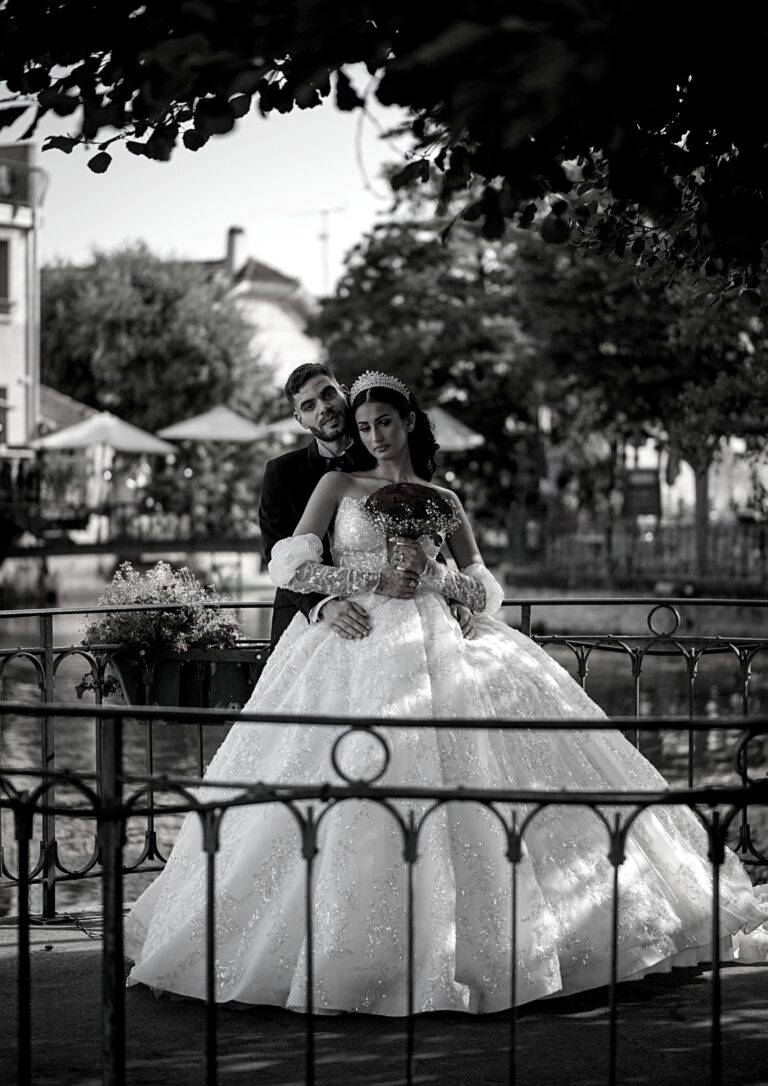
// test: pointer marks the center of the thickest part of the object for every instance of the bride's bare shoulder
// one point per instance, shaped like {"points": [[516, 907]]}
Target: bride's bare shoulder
{"points": [[446, 492], [332, 484]]}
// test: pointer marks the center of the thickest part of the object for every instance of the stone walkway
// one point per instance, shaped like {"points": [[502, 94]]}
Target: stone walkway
{"points": [[663, 1033]]}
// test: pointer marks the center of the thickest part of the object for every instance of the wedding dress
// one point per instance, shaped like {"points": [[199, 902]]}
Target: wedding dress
{"points": [[416, 663]]}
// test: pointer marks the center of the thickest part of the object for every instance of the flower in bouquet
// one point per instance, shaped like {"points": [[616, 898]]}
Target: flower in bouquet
{"points": [[412, 510], [194, 623]]}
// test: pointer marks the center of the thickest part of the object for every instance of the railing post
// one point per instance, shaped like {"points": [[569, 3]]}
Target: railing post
{"points": [[113, 968], [23, 816], [525, 619], [48, 765]]}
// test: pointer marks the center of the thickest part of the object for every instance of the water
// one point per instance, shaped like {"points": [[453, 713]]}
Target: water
{"points": [[663, 691]]}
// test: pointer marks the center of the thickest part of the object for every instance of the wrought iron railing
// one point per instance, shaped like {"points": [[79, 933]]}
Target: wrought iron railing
{"points": [[661, 641], [113, 797]]}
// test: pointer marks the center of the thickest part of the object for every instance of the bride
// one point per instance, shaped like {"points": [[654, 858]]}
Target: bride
{"points": [[414, 662]]}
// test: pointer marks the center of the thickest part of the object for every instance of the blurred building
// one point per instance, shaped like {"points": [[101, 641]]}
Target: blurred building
{"points": [[22, 187], [734, 481], [276, 305]]}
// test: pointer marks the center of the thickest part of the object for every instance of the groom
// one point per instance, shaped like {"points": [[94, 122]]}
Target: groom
{"points": [[319, 404]]}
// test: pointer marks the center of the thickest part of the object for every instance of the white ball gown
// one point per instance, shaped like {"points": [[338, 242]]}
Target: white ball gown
{"points": [[416, 663]]}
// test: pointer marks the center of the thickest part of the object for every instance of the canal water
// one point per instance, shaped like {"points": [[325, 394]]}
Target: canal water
{"points": [[663, 691]]}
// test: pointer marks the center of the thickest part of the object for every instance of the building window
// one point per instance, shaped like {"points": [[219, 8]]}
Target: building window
{"points": [[5, 275], [4, 416]]}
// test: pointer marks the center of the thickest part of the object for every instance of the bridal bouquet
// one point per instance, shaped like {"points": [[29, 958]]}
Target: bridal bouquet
{"points": [[412, 510]]}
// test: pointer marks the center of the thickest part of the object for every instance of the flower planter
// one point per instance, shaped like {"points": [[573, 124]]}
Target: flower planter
{"points": [[199, 678]]}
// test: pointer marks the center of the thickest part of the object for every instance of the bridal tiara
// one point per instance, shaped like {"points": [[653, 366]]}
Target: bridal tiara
{"points": [[376, 379]]}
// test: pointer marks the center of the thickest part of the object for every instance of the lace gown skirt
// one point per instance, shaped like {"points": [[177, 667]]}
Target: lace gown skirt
{"points": [[415, 663]]}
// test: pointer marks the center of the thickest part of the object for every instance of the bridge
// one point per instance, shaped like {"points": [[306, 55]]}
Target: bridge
{"points": [[133, 548]]}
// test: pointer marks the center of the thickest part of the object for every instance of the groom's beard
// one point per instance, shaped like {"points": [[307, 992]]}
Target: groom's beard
{"points": [[331, 429]]}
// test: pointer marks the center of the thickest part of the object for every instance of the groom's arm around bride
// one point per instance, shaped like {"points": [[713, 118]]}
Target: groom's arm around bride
{"points": [[320, 405]]}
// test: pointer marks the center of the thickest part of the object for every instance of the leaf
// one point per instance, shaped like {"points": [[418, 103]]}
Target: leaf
{"points": [[527, 215], [192, 140], [414, 171], [100, 162], [60, 143], [509, 200], [29, 132], [214, 117], [240, 104], [63, 105], [472, 212], [11, 114], [347, 97], [445, 233], [136, 148], [554, 229], [750, 299], [493, 221], [37, 79], [307, 96]]}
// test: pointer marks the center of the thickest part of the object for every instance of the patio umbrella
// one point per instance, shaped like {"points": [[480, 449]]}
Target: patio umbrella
{"points": [[218, 424], [108, 431], [452, 435]]}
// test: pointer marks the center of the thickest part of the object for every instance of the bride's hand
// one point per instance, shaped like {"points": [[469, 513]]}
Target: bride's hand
{"points": [[407, 555], [397, 583]]}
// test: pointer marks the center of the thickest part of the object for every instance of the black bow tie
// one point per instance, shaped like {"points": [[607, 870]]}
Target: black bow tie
{"points": [[339, 463]]}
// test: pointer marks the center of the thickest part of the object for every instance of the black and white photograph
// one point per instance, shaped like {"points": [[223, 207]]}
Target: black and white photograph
{"points": [[383, 543]]}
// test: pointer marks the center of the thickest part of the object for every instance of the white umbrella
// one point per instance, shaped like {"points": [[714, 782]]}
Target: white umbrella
{"points": [[105, 430], [218, 424], [451, 434]]}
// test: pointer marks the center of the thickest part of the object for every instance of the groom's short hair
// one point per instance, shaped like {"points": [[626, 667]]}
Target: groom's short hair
{"points": [[302, 374]]}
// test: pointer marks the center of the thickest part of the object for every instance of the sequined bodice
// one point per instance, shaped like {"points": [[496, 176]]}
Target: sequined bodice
{"points": [[359, 543]]}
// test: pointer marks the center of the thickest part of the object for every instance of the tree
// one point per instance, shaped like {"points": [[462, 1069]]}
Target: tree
{"points": [[617, 126], [629, 360], [442, 320], [153, 341], [722, 360], [494, 330]]}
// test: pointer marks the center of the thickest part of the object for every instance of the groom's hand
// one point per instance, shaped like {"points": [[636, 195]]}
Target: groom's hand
{"points": [[465, 619], [346, 618]]}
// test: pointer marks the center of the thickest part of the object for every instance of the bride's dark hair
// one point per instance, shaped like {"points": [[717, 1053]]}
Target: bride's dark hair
{"points": [[421, 440]]}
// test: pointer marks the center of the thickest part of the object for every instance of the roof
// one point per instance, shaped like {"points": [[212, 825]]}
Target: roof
{"points": [[252, 271], [59, 410], [257, 272]]}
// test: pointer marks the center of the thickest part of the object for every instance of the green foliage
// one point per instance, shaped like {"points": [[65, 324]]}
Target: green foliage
{"points": [[618, 128], [193, 625], [153, 341]]}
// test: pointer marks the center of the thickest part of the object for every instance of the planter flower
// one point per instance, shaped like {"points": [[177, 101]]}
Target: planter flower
{"points": [[169, 657]]}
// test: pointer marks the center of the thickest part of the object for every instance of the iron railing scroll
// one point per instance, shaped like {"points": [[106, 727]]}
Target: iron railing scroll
{"points": [[121, 796]]}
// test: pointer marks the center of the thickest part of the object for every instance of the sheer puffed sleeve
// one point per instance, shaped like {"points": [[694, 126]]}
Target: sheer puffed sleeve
{"points": [[467, 590], [494, 593], [297, 564]]}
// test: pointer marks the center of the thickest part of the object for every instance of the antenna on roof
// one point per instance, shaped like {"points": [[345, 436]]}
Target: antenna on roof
{"points": [[324, 237]]}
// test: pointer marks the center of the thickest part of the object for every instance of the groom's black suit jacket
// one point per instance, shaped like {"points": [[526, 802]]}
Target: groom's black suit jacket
{"points": [[288, 483]]}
